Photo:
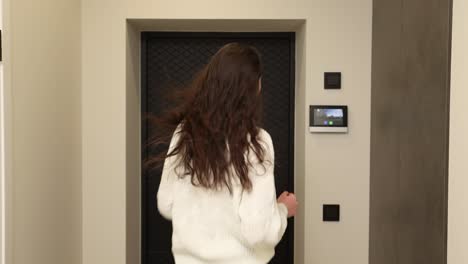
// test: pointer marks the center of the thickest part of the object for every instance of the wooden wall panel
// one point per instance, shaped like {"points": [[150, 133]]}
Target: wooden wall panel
{"points": [[409, 137]]}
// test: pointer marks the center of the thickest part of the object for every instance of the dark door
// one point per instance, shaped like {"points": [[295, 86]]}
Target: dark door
{"points": [[169, 60]]}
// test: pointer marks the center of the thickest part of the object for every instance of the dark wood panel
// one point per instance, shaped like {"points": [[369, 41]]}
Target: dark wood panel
{"points": [[386, 80], [424, 128], [409, 136]]}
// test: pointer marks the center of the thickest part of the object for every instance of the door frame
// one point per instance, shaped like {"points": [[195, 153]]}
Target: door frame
{"points": [[144, 36]]}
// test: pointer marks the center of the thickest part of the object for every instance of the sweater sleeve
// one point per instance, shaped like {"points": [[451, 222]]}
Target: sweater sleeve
{"points": [[263, 220], [165, 195]]}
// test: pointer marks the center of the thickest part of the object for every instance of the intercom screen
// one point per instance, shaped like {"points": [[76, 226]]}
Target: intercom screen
{"points": [[328, 117]]}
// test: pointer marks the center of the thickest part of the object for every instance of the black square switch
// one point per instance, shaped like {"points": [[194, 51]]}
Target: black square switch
{"points": [[331, 212], [333, 80]]}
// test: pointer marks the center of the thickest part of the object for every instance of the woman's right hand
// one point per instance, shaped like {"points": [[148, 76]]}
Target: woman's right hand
{"points": [[289, 199]]}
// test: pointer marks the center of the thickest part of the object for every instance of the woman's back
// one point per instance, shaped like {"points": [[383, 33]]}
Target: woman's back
{"points": [[218, 184], [222, 226]]}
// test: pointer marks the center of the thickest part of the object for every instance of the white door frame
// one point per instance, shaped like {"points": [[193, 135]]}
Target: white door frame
{"points": [[2, 156], [6, 221]]}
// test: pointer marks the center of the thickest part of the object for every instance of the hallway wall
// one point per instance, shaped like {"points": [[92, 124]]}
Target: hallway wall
{"points": [[42, 76], [337, 37], [458, 173]]}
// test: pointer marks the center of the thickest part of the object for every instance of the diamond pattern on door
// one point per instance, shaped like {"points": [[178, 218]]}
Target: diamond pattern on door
{"points": [[170, 60]]}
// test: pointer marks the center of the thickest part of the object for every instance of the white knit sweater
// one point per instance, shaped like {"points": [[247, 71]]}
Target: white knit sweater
{"points": [[215, 227]]}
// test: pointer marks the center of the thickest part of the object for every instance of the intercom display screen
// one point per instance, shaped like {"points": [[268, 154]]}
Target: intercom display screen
{"points": [[329, 117]]}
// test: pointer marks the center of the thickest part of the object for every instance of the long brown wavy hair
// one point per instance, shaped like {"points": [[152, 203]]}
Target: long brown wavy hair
{"points": [[218, 117]]}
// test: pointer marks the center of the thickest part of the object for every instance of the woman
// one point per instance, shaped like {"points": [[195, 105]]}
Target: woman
{"points": [[217, 184]]}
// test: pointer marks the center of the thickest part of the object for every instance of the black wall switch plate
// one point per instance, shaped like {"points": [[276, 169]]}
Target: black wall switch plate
{"points": [[331, 212], [332, 80]]}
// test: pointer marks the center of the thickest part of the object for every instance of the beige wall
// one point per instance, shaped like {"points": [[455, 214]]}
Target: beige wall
{"points": [[458, 165], [42, 74], [336, 37]]}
